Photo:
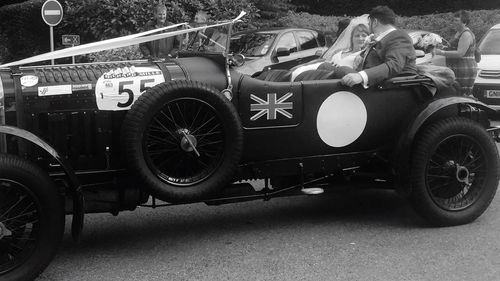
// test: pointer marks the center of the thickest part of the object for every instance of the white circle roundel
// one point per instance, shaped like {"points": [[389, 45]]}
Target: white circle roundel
{"points": [[341, 119]]}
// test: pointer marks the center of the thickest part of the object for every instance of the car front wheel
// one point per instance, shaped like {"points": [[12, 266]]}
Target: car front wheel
{"points": [[454, 172], [31, 219], [184, 139]]}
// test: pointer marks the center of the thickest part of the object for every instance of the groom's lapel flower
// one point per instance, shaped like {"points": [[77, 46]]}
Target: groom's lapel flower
{"points": [[369, 41]]}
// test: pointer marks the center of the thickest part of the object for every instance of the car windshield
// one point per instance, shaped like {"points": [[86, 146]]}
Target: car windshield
{"points": [[252, 44], [212, 39], [490, 43]]}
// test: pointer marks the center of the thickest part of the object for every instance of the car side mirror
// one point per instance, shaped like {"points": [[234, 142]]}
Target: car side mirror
{"points": [[319, 53], [237, 60], [282, 52], [420, 53]]}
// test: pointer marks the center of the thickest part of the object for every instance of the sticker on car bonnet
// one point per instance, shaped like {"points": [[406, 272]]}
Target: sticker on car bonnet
{"points": [[54, 90], [29, 80], [341, 119], [118, 88], [81, 87]]}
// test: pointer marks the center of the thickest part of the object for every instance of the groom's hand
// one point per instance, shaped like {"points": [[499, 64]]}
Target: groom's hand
{"points": [[352, 79]]}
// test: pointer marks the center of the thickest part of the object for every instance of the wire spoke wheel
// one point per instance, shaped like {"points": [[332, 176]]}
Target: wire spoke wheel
{"points": [[184, 143], [455, 172], [19, 224], [184, 140]]}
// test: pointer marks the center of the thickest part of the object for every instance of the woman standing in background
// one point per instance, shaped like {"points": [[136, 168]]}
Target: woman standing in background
{"points": [[461, 56]]}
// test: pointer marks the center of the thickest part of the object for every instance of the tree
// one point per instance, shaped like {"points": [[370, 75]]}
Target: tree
{"points": [[270, 10], [401, 7]]}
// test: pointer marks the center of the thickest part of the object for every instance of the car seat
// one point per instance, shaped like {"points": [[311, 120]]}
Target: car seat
{"points": [[275, 75], [315, 75]]}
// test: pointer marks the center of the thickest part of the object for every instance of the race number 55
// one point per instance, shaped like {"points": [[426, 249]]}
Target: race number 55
{"points": [[125, 87]]}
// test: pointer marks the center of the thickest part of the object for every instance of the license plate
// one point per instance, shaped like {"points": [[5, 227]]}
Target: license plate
{"points": [[493, 94]]}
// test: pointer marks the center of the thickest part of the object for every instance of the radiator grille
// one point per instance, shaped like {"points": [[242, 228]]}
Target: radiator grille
{"points": [[489, 73]]}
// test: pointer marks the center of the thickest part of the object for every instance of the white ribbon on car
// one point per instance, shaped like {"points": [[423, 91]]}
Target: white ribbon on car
{"points": [[118, 42]]}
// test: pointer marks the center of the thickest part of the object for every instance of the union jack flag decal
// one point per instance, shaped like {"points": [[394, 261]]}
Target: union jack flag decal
{"points": [[271, 107]]}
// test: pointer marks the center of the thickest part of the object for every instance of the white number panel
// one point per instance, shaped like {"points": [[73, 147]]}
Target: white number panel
{"points": [[119, 88]]}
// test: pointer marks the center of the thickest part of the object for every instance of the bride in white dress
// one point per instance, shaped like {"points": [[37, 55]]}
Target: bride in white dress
{"points": [[347, 56], [345, 49]]}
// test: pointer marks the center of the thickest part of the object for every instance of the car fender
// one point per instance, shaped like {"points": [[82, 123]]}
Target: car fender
{"points": [[402, 153], [28, 136]]}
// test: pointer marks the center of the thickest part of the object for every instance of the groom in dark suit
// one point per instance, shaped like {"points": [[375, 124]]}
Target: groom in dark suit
{"points": [[390, 54]]}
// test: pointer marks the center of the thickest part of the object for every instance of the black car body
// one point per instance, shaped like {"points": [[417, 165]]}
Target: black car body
{"points": [[108, 137]]}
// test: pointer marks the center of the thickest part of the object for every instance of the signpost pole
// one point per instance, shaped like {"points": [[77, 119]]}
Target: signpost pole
{"points": [[52, 42], [52, 14], [73, 57]]}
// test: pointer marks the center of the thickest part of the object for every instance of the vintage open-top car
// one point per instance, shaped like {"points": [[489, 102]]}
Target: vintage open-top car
{"points": [[108, 137]]}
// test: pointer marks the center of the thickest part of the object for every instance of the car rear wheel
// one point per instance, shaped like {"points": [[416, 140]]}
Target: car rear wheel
{"points": [[184, 139], [454, 171], [31, 219]]}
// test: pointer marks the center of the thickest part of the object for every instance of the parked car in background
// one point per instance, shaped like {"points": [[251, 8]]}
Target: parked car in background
{"points": [[282, 48], [487, 84]]}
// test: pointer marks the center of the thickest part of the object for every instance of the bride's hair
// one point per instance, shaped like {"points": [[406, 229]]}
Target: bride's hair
{"points": [[361, 28], [344, 40]]}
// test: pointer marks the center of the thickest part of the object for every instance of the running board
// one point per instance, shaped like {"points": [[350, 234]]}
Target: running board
{"points": [[241, 192]]}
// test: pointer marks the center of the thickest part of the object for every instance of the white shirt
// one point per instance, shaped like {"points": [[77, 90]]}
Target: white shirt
{"points": [[379, 38]]}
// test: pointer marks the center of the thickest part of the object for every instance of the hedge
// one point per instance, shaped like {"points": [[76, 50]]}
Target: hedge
{"points": [[481, 21]]}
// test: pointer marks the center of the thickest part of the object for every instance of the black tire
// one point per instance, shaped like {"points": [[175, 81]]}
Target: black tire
{"points": [[164, 125], [454, 172], [29, 242]]}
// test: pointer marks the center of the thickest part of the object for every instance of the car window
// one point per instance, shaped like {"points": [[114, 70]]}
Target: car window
{"points": [[307, 40], [322, 40], [287, 41], [490, 45], [252, 44]]}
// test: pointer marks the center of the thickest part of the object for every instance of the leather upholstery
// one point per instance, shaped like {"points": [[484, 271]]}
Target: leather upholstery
{"points": [[275, 75], [315, 75]]}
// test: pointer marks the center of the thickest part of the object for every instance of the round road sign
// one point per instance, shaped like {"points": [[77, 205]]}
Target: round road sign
{"points": [[52, 12]]}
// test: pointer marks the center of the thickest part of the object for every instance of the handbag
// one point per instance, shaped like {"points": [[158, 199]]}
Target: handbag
{"points": [[477, 55]]}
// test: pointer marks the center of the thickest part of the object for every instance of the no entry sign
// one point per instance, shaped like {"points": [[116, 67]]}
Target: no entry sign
{"points": [[52, 12]]}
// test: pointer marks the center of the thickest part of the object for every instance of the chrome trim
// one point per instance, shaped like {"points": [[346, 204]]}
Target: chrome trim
{"points": [[3, 138], [226, 56], [489, 73], [2, 104]]}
